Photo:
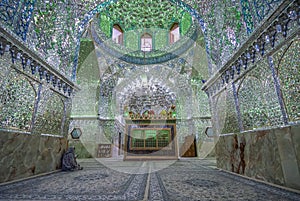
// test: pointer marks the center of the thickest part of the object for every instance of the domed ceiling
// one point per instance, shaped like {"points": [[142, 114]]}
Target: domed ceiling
{"points": [[143, 14], [156, 17], [54, 28]]}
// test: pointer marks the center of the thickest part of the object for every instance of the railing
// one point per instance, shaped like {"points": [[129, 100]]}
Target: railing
{"points": [[263, 42], [19, 52], [230, 96]]}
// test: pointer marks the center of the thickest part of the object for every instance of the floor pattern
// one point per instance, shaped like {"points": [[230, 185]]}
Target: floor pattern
{"points": [[186, 179], [190, 180], [101, 184]]}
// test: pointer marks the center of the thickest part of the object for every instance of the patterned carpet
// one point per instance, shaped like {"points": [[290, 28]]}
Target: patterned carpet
{"points": [[190, 180], [101, 184], [183, 180]]}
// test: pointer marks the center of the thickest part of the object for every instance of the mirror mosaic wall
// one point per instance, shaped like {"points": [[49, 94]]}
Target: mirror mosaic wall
{"points": [[30, 104], [53, 29], [248, 63], [262, 77], [233, 71]]}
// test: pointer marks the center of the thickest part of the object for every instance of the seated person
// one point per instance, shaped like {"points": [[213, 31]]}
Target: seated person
{"points": [[69, 160]]}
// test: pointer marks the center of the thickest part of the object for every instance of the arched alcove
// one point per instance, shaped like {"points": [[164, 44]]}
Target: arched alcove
{"points": [[174, 34], [146, 42], [17, 101], [117, 34]]}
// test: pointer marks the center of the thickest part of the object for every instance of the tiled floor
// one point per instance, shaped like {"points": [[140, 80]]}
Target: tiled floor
{"points": [[114, 179]]}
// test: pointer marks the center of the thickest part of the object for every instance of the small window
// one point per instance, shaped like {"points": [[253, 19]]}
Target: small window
{"points": [[146, 42], [174, 33], [117, 34]]}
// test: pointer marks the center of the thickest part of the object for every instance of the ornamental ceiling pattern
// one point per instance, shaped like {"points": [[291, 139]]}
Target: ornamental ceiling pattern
{"points": [[143, 14], [53, 28]]}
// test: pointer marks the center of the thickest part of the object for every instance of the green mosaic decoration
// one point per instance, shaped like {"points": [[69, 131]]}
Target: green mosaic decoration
{"points": [[186, 22], [17, 100], [108, 129], [253, 113], [161, 38], [51, 27], [287, 65], [224, 113], [54, 35], [156, 56], [85, 101], [225, 35], [50, 114], [86, 47], [231, 121], [202, 103], [136, 18], [105, 24], [143, 14], [68, 106], [131, 40], [5, 63], [259, 104]]}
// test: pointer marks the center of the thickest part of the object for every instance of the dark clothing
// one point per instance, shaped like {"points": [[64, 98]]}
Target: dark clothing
{"points": [[69, 160]]}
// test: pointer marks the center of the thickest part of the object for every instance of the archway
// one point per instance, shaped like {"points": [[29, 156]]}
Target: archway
{"points": [[183, 73], [102, 6]]}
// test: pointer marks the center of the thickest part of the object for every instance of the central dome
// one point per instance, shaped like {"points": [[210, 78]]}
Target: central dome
{"points": [[143, 14], [144, 31]]}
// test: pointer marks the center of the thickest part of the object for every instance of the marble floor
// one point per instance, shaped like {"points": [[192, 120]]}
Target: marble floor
{"points": [[114, 179]]}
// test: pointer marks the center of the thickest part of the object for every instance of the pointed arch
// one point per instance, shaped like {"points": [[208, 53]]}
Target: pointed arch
{"points": [[174, 34], [146, 42], [117, 34], [100, 7]]}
